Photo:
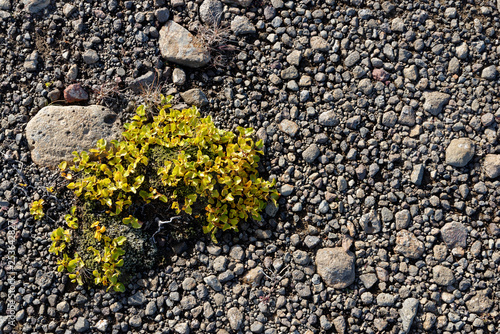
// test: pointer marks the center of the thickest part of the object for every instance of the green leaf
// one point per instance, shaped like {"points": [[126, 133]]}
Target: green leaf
{"points": [[120, 240]]}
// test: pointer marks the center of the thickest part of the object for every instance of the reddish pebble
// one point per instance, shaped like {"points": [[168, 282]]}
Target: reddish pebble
{"points": [[75, 93], [380, 74]]}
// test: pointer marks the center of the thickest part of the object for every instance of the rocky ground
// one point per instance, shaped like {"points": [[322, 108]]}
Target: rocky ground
{"points": [[381, 127]]}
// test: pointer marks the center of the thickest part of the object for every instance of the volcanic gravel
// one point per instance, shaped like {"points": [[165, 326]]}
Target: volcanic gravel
{"points": [[381, 127]]}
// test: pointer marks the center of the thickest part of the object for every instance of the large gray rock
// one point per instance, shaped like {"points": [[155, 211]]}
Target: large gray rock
{"points": [[336, 267], [491, 165], [408, 313], [179, 46], [195, 97], [460, 152], [435, 101], [35, 6], [57, 131]]}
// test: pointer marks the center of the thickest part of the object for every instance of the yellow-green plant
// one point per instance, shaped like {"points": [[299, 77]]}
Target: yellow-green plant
{"points": [[36, 209], [176, 160]]}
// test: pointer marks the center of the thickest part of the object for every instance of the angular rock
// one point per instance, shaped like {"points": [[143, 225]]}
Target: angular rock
{"points": [[82, 325], [195, 97], [336, 267], [460, 152], [442, 275], [137, 299], [289, 127], [368, 280], [491, 165], [454, 234], [417, 174], [75, 93], [179, 46], [143, 83], [435, 101], [319, 44], [241, 25], [57, 131], [480, 303], [407, 116], [235, 318], [408, 245], [31, 62], [408, 313], [328, 118], [380, 74]]}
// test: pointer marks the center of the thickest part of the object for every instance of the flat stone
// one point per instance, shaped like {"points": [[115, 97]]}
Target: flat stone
{"points": [[56, 131], [491, 165], [336, 267], [195, 97], [403, 219], [386, 299], [90, 57], [352, 59], [289, 127], [489, 73], [454, 234], [328, 118], [368, 280], [235, 318], [460, 152], [241, 25], [435, 101], [137, 300], [442, 275], [82, 325], [480, 303], [417, 174], [31, 62], [179, 46], [144, 82], [408, 313], [311, 153], [35, 6], [294, 57], [408, 245], [290, 73]]}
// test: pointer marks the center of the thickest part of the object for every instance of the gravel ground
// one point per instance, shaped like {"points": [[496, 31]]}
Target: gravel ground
{"points": [[380, 121]]}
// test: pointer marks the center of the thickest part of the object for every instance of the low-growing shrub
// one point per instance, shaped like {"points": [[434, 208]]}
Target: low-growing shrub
{"points": [[174, 163]]}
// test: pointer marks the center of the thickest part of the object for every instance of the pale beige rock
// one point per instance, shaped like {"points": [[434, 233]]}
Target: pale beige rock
{"points": [[179, 46], [56, 131]]}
